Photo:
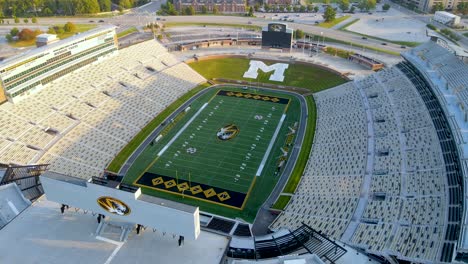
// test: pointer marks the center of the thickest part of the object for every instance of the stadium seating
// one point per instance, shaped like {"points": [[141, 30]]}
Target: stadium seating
{"points": [[81, 121], [405, 208], [328, 194]]}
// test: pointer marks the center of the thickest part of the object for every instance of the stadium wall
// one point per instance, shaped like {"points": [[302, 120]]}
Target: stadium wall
{"points": [[126, 206]]}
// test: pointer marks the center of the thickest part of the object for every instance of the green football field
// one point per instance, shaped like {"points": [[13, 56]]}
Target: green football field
{"points": [[223, 152]]}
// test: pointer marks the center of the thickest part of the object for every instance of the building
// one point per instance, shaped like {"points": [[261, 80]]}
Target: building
{"points": [[223, 6], [28, 72], [282, 3], [446, 18], [277, 36], [426, 5], [46, 39]]}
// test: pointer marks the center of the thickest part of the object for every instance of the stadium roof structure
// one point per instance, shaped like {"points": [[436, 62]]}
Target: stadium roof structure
{"points": [[54, 238], [58, 44]]}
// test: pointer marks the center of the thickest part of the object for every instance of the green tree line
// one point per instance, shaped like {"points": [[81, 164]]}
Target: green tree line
{"points": [[26, 8]]}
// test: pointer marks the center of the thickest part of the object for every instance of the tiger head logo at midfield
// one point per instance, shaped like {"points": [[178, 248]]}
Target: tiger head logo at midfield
{"points": [[113, 205], [227, 132]]}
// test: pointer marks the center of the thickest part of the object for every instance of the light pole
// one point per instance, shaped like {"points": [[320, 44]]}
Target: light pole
{"points": [[317, 47]]}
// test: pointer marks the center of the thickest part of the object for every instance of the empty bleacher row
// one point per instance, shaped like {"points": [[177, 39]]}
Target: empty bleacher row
{"points": [[408, 213], [451, 159], [330, 187], [82, 120], [407, 148]]}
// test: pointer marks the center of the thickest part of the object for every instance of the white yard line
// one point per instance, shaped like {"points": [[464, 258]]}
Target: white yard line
{"points": [[181, 130], [116, 250], [272, 142]]}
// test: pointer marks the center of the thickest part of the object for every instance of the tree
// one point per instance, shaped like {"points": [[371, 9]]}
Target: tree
{"points": [[204, 10], [171, 9], [90, 7], [310, 8], [462, 8], [327, 2], [316, 9], [51, 30], [26, 34], [25, 20], [385, 7], [256, 7], [296, 8], [437, 7], [289, 8], [17, 20], [366, 5], [191, 11], [9, 37], [215, 10], [303, 8], [105, 5], [329, 14], [352, 9], [299, 34], [34, 20], [159, 37], [69, 27], [267, 7], [125, 4], [344, 5], [14, 32], [251, 12], [47, 12]]}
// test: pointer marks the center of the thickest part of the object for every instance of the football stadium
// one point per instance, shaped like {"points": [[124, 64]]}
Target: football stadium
{"points": [[234, 157]]}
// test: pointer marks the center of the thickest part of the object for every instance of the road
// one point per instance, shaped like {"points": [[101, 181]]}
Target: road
{"points": [[146, 14], [311, 29]]}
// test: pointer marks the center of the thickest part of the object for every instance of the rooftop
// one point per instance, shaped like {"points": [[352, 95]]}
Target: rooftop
{"points": [[37, 51], [52, 237]]}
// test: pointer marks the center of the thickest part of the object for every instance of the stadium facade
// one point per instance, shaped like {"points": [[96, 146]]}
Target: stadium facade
{"points": [[27, 73]]}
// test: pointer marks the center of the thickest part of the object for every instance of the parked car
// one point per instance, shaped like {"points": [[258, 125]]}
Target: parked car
{"points": [[385, 44], [101, 21], [403, 47], [364, 37]]}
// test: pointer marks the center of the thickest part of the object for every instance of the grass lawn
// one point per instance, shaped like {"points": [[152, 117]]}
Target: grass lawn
{"points": [[23, 43], [123, 155], [79, 28], [127, 32], [299, 75], [282, 201], [184, 24], [227, 166], [348, 24], [334, 22]]}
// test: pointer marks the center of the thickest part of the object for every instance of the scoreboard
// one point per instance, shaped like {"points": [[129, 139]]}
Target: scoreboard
{"points": [[277, 35]]}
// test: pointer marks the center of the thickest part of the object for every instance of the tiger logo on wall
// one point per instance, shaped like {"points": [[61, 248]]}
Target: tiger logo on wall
{"points": [[227, 132], [113, 205]]}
